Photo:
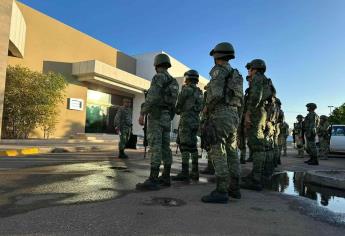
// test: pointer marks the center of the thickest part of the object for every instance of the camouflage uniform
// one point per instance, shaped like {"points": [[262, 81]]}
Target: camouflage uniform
{"points": [[298, 135], [242, 139], [277, 141], [284, 133], [159, 123], [311, 123], [123, 121], [324, 136], [257, 115], [189, 105], [222, 111]]}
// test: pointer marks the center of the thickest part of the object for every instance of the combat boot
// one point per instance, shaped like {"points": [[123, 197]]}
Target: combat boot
{"points": [[219, 195], [209, 170], [184, 175], [252, 185], [310, 160], [194, 175], [151, 183], [314, 162], [234, 188], [122, 154], [255, 183], [164, 179]]}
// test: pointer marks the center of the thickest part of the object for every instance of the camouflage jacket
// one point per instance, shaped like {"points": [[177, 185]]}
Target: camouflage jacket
{"points": [[123, 118], [284, 130], [255, 100], [154, 98], [190, 100], [323, 130], [217, 87], [311, 123], [298, 129]]}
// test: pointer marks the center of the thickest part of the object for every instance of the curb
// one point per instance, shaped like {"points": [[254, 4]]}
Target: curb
{"points": [[19, 152]]}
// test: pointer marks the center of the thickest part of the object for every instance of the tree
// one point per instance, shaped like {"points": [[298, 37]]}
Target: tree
{"points": [[31, 100], [338, 115]]}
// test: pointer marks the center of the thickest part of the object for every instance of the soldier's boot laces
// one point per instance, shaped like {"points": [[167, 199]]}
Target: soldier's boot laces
{"points": [[151, 183], [234, 188], [164, 179], [183, 175]]}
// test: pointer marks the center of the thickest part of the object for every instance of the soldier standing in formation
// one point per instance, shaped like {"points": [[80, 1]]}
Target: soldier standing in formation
{"points": [[311, 122], [159, 105], [224, 98], [123, 125], [279, 120], [284, 134], [189, 105], [323, 133], [298, 135], [255, 122]]}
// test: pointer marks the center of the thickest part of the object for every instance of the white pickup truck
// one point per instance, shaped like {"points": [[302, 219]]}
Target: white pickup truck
{"points": [[337, 138]]}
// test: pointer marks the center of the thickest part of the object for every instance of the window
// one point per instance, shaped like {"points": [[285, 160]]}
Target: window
{"points": [[338, 131]]}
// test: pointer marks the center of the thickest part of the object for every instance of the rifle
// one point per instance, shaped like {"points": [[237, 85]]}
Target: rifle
{"points": [[145, 130]]}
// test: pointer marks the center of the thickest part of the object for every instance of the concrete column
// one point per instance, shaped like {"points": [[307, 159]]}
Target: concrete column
{"points": [[5, 23]]}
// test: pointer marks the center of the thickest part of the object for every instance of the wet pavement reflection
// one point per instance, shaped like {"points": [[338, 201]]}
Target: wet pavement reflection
{"points": [[292, 183]]}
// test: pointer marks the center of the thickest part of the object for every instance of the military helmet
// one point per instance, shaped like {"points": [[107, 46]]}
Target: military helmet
{"points": [[248, 65], [224, 49], [299, 117], [323, 117], [192, 75], [278, 101], [311, 105], [258, 64], [162, 59]]}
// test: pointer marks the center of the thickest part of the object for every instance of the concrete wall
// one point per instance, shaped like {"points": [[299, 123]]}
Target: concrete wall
{"points": [[49, 41], [5, 19]]}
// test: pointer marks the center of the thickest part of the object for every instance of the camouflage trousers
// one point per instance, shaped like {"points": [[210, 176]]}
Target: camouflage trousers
{"points": [[125, 133], [300, 146], [257, 142], [311, 148], [158, 137], [224, 154], [324, 147], [284, 145]]}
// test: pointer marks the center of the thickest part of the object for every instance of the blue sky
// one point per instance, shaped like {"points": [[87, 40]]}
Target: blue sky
{"points": [[302, 42]]}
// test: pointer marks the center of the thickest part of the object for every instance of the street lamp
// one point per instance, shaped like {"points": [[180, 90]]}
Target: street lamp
{"points": [[330, 109]]}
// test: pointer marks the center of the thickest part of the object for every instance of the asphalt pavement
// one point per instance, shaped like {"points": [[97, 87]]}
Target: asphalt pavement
{"points": [[94, 194]]}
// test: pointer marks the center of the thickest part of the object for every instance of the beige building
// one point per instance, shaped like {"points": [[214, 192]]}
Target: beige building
{"points": [[99, 75]]}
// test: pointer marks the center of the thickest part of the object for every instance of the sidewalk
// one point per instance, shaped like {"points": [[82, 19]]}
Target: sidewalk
{"points": [[94, 143]]}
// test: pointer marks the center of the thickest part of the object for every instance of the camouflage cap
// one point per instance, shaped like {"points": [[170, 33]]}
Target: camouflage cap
{"points": [[311, 105], [162, 59], [299, 117], [223, 49]]}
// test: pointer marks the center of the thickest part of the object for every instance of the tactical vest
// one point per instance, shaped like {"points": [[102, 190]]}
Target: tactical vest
{"points": [[169, 93], [268, 90], [194, 102], [233, 89]]}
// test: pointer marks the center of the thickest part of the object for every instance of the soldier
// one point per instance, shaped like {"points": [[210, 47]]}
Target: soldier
{"points": [[311, 123], [324, 137], [123, 125], [159, 105], [224, 98], [284, 134], [242, 139], [277, 140], [209, 170], [298, 135], [189, 105], [255, 121]]}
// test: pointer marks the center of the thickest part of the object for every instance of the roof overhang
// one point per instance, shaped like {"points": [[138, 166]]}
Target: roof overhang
{"points": [[17, 32], [97, 72]]}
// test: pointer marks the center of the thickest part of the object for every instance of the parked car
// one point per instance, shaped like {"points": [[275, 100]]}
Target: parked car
{"points": [[337, 143]]}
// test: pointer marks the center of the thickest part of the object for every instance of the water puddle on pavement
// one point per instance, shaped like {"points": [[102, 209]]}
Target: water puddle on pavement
{"points": [[292, 183]]}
